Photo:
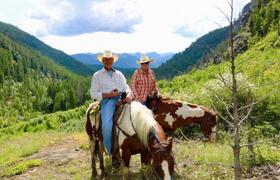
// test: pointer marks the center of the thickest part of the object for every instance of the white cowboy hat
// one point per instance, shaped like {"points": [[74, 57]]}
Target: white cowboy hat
{"points": [[144, 59], [108, 54]]}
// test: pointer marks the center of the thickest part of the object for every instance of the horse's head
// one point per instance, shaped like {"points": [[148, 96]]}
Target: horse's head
{"points": [[208, 124], [163, 161], [152, 101]]}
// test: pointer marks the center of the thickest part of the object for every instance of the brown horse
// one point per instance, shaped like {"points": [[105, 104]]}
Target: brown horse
{"points": [[138, 132], [172, 114]]}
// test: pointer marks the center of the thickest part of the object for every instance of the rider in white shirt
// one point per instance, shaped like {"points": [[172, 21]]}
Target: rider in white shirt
{"points": [[106, 85]]}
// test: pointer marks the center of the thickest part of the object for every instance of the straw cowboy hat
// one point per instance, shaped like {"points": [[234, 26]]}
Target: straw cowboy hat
{"points": [[108, 54], [144, 59]]}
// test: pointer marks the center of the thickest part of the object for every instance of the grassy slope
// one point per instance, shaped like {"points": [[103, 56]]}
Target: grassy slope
{"points": [[260, 64]]}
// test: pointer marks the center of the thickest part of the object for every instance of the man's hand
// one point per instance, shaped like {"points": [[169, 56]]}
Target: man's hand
{"points": [[128, 99], [114, 93]]}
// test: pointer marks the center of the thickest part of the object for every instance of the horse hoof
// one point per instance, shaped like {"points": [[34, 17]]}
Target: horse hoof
{"points": [[104, 174], [93, 177], [94, 174]]}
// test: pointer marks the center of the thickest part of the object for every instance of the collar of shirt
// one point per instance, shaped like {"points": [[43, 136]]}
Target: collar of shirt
{"points": [[104, 70], [143, 72], [110, 72]]}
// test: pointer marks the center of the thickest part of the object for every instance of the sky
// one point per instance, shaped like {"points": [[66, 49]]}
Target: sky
{"points": [[81, 26]]}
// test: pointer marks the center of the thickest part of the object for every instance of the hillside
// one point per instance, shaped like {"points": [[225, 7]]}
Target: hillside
{"points": [[58, 56], [31, 83], [259, 65], [183, 61]]}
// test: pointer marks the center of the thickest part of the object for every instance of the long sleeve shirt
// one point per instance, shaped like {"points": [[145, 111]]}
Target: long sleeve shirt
{"points": [[104, 81], [142, 84]]}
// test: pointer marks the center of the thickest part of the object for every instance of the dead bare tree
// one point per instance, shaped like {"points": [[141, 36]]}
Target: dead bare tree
{"points": [[236, 121]]}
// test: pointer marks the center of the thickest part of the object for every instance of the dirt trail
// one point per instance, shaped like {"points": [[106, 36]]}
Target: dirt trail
{"points": [[69, 159], [55, 160]]}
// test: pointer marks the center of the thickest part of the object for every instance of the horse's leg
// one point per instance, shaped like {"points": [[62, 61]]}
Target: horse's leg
{"points": [[145, 161], [92, 144], [101, 159], [126, 156], [145, 158]]}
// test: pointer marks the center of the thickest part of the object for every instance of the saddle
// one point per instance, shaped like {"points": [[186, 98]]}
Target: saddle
{"points": [[96, 121]]}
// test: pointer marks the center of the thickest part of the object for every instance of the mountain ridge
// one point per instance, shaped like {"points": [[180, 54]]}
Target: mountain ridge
{"points": [[124, 58], [58, 56]]}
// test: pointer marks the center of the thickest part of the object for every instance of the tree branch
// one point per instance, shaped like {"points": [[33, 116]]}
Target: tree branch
{"points": [[219, 113], [247, 115], [225, 15]]}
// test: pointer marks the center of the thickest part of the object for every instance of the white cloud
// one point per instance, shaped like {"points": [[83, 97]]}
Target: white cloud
{"points": [[73, 17], [119, 42], [123, 25]]}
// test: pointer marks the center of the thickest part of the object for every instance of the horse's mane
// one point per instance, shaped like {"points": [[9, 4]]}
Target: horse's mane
{"points": [[143, 120]]}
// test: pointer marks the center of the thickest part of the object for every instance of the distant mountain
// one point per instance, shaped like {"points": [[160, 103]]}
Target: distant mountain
{"points": [[126, 60], [58, 56]]}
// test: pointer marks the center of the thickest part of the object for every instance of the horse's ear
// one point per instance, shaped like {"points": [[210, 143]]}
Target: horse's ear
{"points": [[158, 95]]}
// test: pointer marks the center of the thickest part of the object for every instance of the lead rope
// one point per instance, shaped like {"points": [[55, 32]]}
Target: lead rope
{"points": [[131, 117]]}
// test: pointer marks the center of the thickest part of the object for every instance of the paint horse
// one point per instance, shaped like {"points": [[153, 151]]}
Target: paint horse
{"points": [[138, 132], [172, 114]]}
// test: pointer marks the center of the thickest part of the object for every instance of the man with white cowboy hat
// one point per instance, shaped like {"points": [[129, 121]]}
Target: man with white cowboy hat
{"points": [[143, 81], [105, 87]]}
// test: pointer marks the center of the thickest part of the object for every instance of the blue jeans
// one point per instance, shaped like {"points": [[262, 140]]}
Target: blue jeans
{"points": [[108, 107]]}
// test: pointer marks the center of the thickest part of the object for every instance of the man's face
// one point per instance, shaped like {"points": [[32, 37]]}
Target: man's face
{"points": [[108, 62], [145, 66]]}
